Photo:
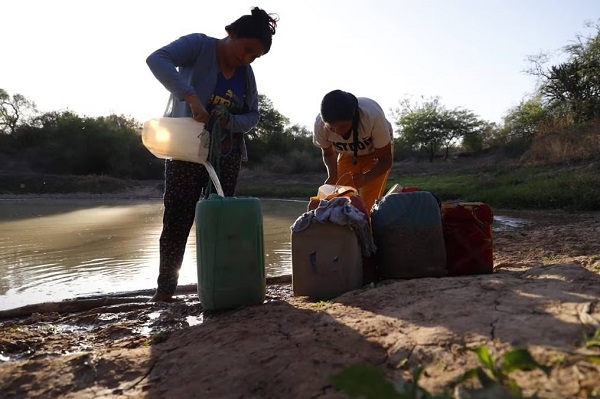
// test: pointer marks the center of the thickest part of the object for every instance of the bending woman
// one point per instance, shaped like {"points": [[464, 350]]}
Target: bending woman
{"points": [[356, 142]]}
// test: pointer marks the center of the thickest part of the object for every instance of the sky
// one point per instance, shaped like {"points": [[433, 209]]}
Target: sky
{"points": [[89, 57]]}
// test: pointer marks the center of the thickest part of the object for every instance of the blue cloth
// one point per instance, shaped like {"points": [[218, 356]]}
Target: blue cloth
{"points": [[341, 212], [189, 65]]}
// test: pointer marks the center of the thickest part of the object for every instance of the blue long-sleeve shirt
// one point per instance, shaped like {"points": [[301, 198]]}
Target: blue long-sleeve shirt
{"points": [[189, 65]]}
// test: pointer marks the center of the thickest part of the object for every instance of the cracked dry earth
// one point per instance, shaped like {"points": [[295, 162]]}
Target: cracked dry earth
{"points": [[544, 296]]}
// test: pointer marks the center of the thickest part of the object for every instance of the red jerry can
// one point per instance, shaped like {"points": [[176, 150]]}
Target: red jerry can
{"points": [[467, 230]]}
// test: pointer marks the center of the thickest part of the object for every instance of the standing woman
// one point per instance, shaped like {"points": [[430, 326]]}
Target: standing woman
{"points": [[201, 73], [356, 141]]}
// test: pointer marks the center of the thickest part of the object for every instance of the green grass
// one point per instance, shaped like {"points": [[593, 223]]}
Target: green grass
{"points": [[570, 188]]}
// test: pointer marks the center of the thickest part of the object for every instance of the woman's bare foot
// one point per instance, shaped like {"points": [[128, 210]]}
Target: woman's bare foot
{"points": [[158, 297]]}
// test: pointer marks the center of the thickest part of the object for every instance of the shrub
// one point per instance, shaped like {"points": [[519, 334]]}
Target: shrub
{"points": [[559, 142]]}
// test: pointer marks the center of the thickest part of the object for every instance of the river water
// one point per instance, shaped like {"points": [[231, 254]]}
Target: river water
{"points": [[67, 248], [59, 249]]}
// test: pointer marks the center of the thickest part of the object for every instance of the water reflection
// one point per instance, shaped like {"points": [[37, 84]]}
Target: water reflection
{"points": [[64, 249], [505, 223]]}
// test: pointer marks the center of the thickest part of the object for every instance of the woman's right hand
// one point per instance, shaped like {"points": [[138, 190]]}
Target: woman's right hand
{"points": [[199, 113]]}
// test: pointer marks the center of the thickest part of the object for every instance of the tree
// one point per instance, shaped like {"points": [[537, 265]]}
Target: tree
{"points": [[429, 126], [569, 92], [572, 88], [65, 143], [14, 111], [423, 129], [269, 135], [271, 122], [522, 121], [480, 139], [299, 131], [463, 125]]}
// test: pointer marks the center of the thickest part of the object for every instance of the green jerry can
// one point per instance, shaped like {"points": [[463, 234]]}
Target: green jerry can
{"points": [[230, 252]]}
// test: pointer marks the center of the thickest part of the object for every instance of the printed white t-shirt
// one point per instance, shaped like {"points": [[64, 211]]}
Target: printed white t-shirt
{"points": [[374, 131]]}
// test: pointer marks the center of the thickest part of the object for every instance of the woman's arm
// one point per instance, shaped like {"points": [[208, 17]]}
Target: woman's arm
{"points": [[384, 163], [330, 161], [164, 62]]}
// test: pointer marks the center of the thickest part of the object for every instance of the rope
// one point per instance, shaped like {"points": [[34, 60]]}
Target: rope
{"points": [[217, 135], [337, 183]]}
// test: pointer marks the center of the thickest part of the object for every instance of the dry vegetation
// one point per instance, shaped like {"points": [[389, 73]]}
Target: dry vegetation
{"points": [[561, 142]]}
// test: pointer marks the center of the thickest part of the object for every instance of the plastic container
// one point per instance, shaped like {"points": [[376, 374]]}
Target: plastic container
{"points": [[326, 261], [183, 139], [468, 237], [230, 258], [407, 230]]}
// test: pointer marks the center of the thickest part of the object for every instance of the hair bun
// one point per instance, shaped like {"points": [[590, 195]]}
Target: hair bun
{"points": [[269, 19]]}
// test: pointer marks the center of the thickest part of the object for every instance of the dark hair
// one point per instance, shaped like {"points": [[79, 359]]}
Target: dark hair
{"points": [[259, 25], [338, 105]]}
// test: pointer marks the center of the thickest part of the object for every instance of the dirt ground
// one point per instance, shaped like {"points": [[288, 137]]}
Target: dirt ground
{"points": [[544, 296]]}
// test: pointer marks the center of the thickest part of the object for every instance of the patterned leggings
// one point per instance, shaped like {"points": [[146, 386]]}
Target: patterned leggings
{"points": [[184, 185]]}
